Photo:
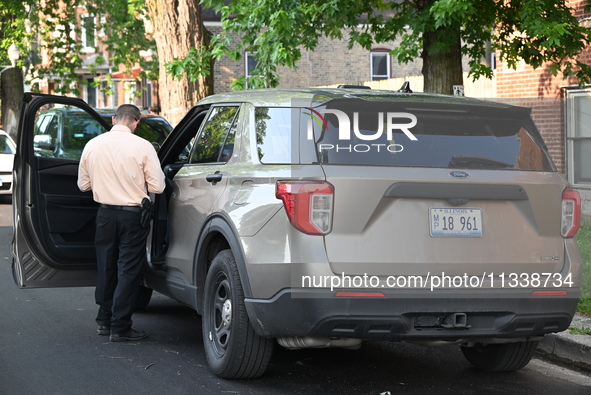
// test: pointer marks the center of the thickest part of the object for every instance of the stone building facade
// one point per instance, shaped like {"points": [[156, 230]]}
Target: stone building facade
{"points": [[332, 62]]}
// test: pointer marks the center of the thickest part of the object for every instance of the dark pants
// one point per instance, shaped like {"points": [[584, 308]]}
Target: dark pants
{"points": [[120, 244]]}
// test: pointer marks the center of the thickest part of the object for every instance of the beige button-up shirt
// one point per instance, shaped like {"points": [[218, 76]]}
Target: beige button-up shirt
{"points": [[120, 168]]}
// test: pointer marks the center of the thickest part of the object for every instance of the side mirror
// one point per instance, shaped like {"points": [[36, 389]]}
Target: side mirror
{"points": [[43, 141]]}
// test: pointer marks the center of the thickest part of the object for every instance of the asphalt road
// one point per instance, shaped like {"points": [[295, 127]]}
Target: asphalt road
{"points": [[48, 345]]}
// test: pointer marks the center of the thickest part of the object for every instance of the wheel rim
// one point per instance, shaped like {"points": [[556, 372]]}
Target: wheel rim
{"points": [[221, 315]]}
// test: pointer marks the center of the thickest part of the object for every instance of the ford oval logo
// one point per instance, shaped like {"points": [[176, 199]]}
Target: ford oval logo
{"points": [[459, 174]]}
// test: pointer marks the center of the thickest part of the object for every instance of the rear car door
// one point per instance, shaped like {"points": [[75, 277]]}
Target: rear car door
{"points": [[53, 220]]}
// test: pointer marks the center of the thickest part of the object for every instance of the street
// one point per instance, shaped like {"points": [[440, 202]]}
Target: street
{"points": [[49, 345]]}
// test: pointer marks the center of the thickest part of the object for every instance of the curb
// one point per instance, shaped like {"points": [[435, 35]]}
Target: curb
{"points": [[571, 349]]}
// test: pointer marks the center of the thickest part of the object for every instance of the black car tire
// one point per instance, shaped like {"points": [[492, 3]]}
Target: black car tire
{"points": [[500, 357], [232, 347]]}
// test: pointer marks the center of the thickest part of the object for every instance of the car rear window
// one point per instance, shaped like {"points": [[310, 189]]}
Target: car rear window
{"points": [[425, 135]]}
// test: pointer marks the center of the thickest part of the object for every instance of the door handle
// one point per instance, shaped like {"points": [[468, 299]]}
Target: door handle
{"points": [[214, 178]]}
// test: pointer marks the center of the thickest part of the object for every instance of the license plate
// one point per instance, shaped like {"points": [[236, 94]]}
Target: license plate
{"points": [[458, 222]]}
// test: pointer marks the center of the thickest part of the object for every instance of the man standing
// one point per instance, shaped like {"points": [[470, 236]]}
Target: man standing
{"points": [[120, 168]]}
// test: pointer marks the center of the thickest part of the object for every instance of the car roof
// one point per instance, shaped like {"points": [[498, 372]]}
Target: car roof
{"points": [[302, 97], [103, 111], [111, 111]]}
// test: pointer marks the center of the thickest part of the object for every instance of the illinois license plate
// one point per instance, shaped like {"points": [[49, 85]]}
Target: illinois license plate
{"points": [[458, 222]]}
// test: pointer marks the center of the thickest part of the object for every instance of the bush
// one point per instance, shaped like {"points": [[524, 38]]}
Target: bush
{"points": [[584, 242]]}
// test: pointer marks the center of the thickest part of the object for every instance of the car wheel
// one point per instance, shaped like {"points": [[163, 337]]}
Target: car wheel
{"points": [[500, 357], [232, 347], [144, 296]]}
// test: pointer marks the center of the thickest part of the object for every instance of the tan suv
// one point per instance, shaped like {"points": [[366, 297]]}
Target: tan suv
{"points": [[325, 217]]}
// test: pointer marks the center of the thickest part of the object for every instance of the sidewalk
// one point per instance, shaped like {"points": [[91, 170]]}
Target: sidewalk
{"points": [[574, 350]]}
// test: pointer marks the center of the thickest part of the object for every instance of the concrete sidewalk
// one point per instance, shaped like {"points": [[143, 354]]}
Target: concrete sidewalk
{"points": [[572, 349]]}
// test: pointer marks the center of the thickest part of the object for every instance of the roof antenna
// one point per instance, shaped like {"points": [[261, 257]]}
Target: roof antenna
{"points": [[405, 88]]}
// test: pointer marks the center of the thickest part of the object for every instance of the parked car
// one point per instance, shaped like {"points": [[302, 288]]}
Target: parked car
{"points": [[154, 128], [63, 131], [325, 217], [7, 151]]}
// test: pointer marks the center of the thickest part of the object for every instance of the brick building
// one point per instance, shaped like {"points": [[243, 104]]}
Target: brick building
{"points": [[124, 87], [561, 109], [332, 62]]}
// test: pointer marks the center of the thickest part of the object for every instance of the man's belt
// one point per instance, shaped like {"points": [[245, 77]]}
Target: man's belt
{"points": [[135, 209]]}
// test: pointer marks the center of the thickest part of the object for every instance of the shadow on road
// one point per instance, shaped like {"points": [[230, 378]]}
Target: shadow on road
{"points": [[5, 199]]}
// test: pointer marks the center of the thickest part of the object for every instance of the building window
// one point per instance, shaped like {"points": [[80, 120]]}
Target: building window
{"points": [[108, 94], [91, 95], [87, 33], [250, 65], [379, 64], [578, 135], [130, 91]]}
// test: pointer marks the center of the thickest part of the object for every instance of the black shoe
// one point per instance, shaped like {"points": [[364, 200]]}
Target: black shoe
{"points": [[131, 335], [103, 330]]}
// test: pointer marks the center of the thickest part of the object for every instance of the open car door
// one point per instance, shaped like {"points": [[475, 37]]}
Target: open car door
{"points": [[54, 222]]}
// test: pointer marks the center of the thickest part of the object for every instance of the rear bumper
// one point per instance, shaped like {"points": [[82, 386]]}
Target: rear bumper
{"points": [[412, 315]]}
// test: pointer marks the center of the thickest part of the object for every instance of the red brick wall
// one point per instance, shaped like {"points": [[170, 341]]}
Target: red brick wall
{"points": [[544, 93]]}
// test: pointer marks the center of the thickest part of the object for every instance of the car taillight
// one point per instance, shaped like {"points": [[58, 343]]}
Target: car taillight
{"points": [[308, 205], [571, 213]]}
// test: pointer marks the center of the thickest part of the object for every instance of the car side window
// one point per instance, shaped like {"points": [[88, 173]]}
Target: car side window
{"points": [[216, 140], [273, 134], [46, 135], [228, 147]]}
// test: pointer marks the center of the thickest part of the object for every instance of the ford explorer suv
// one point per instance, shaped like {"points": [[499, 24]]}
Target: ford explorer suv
{"points": [[325, 217]]}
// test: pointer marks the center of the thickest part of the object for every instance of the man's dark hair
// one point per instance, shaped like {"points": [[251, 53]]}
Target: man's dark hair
{"points": [[127, 113]]}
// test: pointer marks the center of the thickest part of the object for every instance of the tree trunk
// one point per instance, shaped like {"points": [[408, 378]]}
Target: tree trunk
{"points": [[12, 93], [442, 69], [177, 29]]}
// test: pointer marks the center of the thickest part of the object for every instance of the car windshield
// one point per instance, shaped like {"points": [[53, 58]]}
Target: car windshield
{"points": [[6, 145], [152, 128], [155, 130]]}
